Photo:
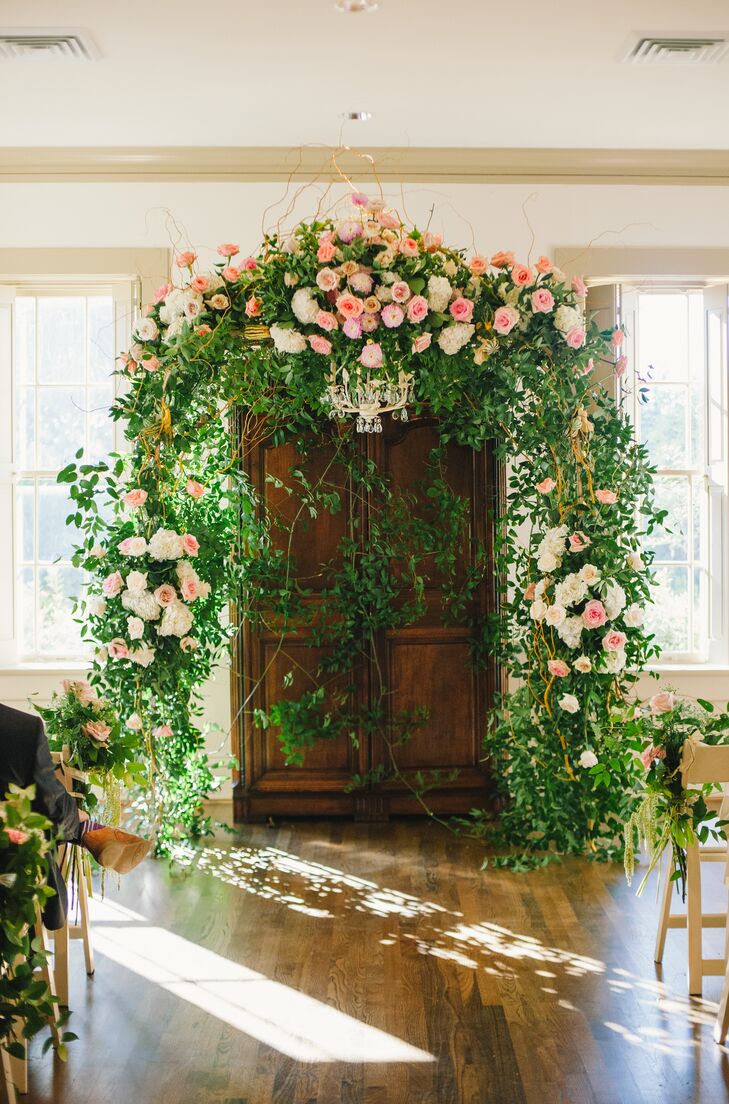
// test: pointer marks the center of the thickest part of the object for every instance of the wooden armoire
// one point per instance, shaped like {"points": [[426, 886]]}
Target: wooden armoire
{"points": [[425, 665]]}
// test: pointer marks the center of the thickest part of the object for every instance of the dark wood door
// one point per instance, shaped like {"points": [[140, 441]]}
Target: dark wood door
{"points": [[422, 666]]}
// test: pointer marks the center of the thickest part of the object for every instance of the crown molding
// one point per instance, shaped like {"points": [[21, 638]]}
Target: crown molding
{"points": [[424, 164]]}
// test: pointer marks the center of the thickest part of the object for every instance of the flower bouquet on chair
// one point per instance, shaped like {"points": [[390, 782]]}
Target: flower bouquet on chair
{"points": [[666, 811], [87, 731]]}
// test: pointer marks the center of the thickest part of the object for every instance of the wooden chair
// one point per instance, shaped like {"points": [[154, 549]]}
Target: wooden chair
{"points": [[78, 879], [700, 763], [8, 1094]]}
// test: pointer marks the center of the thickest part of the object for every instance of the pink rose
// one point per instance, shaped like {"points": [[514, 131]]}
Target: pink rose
{"points": [[352, 328], [621, 365], [150, 364], [558, 668], [253, 306], [162, 292], [359, 199], [400, 292], [594, 615], [190, 544], [505, 319], [348, 230], [194, 489], [250, 264], [388, 220], [478, 265], [227, 249], [579, 542], [614, 640], [544, 266], [502, 259], [185, 260], [162, 732], [530, 592], [326, 252], [617, 339], [327, 279], [368, 322], [392, 316], [189, 587], [16, 836], [417, 308], [320, 344], [199, 283], [575, 337], [409, 247], [462, 309], [579, 287], [118, 649], [165, 594], [651, 753], [546, 486], [349, 305], [607, 498], [431, 241], [521, 275], [231, 273], [326, 321], [188, 644], [125, 546], [422, 342], [97, 731], [542, 300], [135, 498], [112, 584], [662, 702], [371, 355]]}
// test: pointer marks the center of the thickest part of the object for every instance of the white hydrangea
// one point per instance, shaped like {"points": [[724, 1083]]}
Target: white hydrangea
{"points": [[509, 294], [452, 338], [176, 620], [570, 631], [555, 615], [143, 656], [165, 545], [613, 599], [565, 318], [174, 329], [142, 604], [383, 293], [551, 548], [215, 282], [548, 561], [614, 661], [571, 590], [305, 306], [173, 306], [439, 293], [288, 341]]}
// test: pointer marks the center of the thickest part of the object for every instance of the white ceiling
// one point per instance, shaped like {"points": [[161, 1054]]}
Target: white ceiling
{"points": [[538, 73]]}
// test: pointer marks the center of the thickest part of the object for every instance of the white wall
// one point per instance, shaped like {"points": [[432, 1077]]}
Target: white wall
{"points": [[540, 218]]}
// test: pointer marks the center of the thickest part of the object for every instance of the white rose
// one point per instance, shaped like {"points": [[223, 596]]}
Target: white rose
{"points": [[287, 341], [135, 628], [146, 329], [541, 586], [538, 610], [137, 581], [635, 561], [290, 279], [174, 329], [143, 656], [143, 604], [588, 759], [203, 589], [304, 306], [97, 605], [613, 599], [583, 664], [548, 562], [453, 338], [633, 616], [439, 293], [219, 302], [193, 304], [176, 620], [134, 722], [555, 615], [165, 545], [99, 551], [137, 546], [291, 245], [569, 703], [590, 574]]}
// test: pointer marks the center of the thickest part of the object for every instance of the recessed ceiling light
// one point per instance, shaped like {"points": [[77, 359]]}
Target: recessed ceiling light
{"points": [[357, 116], [354, 6]]}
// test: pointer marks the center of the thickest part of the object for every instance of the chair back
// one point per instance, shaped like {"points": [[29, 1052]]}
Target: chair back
{"points": [[701, 763]]}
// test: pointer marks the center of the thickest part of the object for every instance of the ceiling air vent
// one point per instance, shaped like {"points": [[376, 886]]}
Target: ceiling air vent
{"points": [[678, 50], [46, 44]]}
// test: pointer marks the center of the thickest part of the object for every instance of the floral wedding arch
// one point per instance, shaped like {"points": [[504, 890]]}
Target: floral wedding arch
{"points": [[348, 320]]}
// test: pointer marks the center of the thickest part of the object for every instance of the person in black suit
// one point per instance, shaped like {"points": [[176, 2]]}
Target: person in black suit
{"points": [[25, 760]]}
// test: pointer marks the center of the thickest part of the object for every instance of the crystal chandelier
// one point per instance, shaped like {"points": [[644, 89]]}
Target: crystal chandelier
{"points": [[369, 398]]}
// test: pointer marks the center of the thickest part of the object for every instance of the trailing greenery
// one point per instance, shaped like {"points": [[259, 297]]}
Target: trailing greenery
{"points": [[26, 1005], [494, 352]]}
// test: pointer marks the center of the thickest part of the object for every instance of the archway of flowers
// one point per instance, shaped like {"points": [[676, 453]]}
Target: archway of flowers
{"points": [[324, 328]]}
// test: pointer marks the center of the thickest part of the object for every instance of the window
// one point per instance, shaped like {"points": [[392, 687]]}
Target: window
{"points": [[61, 345], [678, 399]]}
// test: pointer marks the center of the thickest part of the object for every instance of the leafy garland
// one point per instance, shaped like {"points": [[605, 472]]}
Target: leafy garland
{"points": [[496, 350], [24, 998]]}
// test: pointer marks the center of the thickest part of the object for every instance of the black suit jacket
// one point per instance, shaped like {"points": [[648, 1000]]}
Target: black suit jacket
{"points": [[25, 759]]}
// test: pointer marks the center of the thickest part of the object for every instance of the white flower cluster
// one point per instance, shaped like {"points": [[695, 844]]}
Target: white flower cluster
{"points": [[439, 293], [566, 318], [287, 341], [551, 548], [305, 306], [453, 338]]}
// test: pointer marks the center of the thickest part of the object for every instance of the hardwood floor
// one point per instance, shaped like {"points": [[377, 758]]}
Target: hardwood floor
{"points": [[319, 963]]}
